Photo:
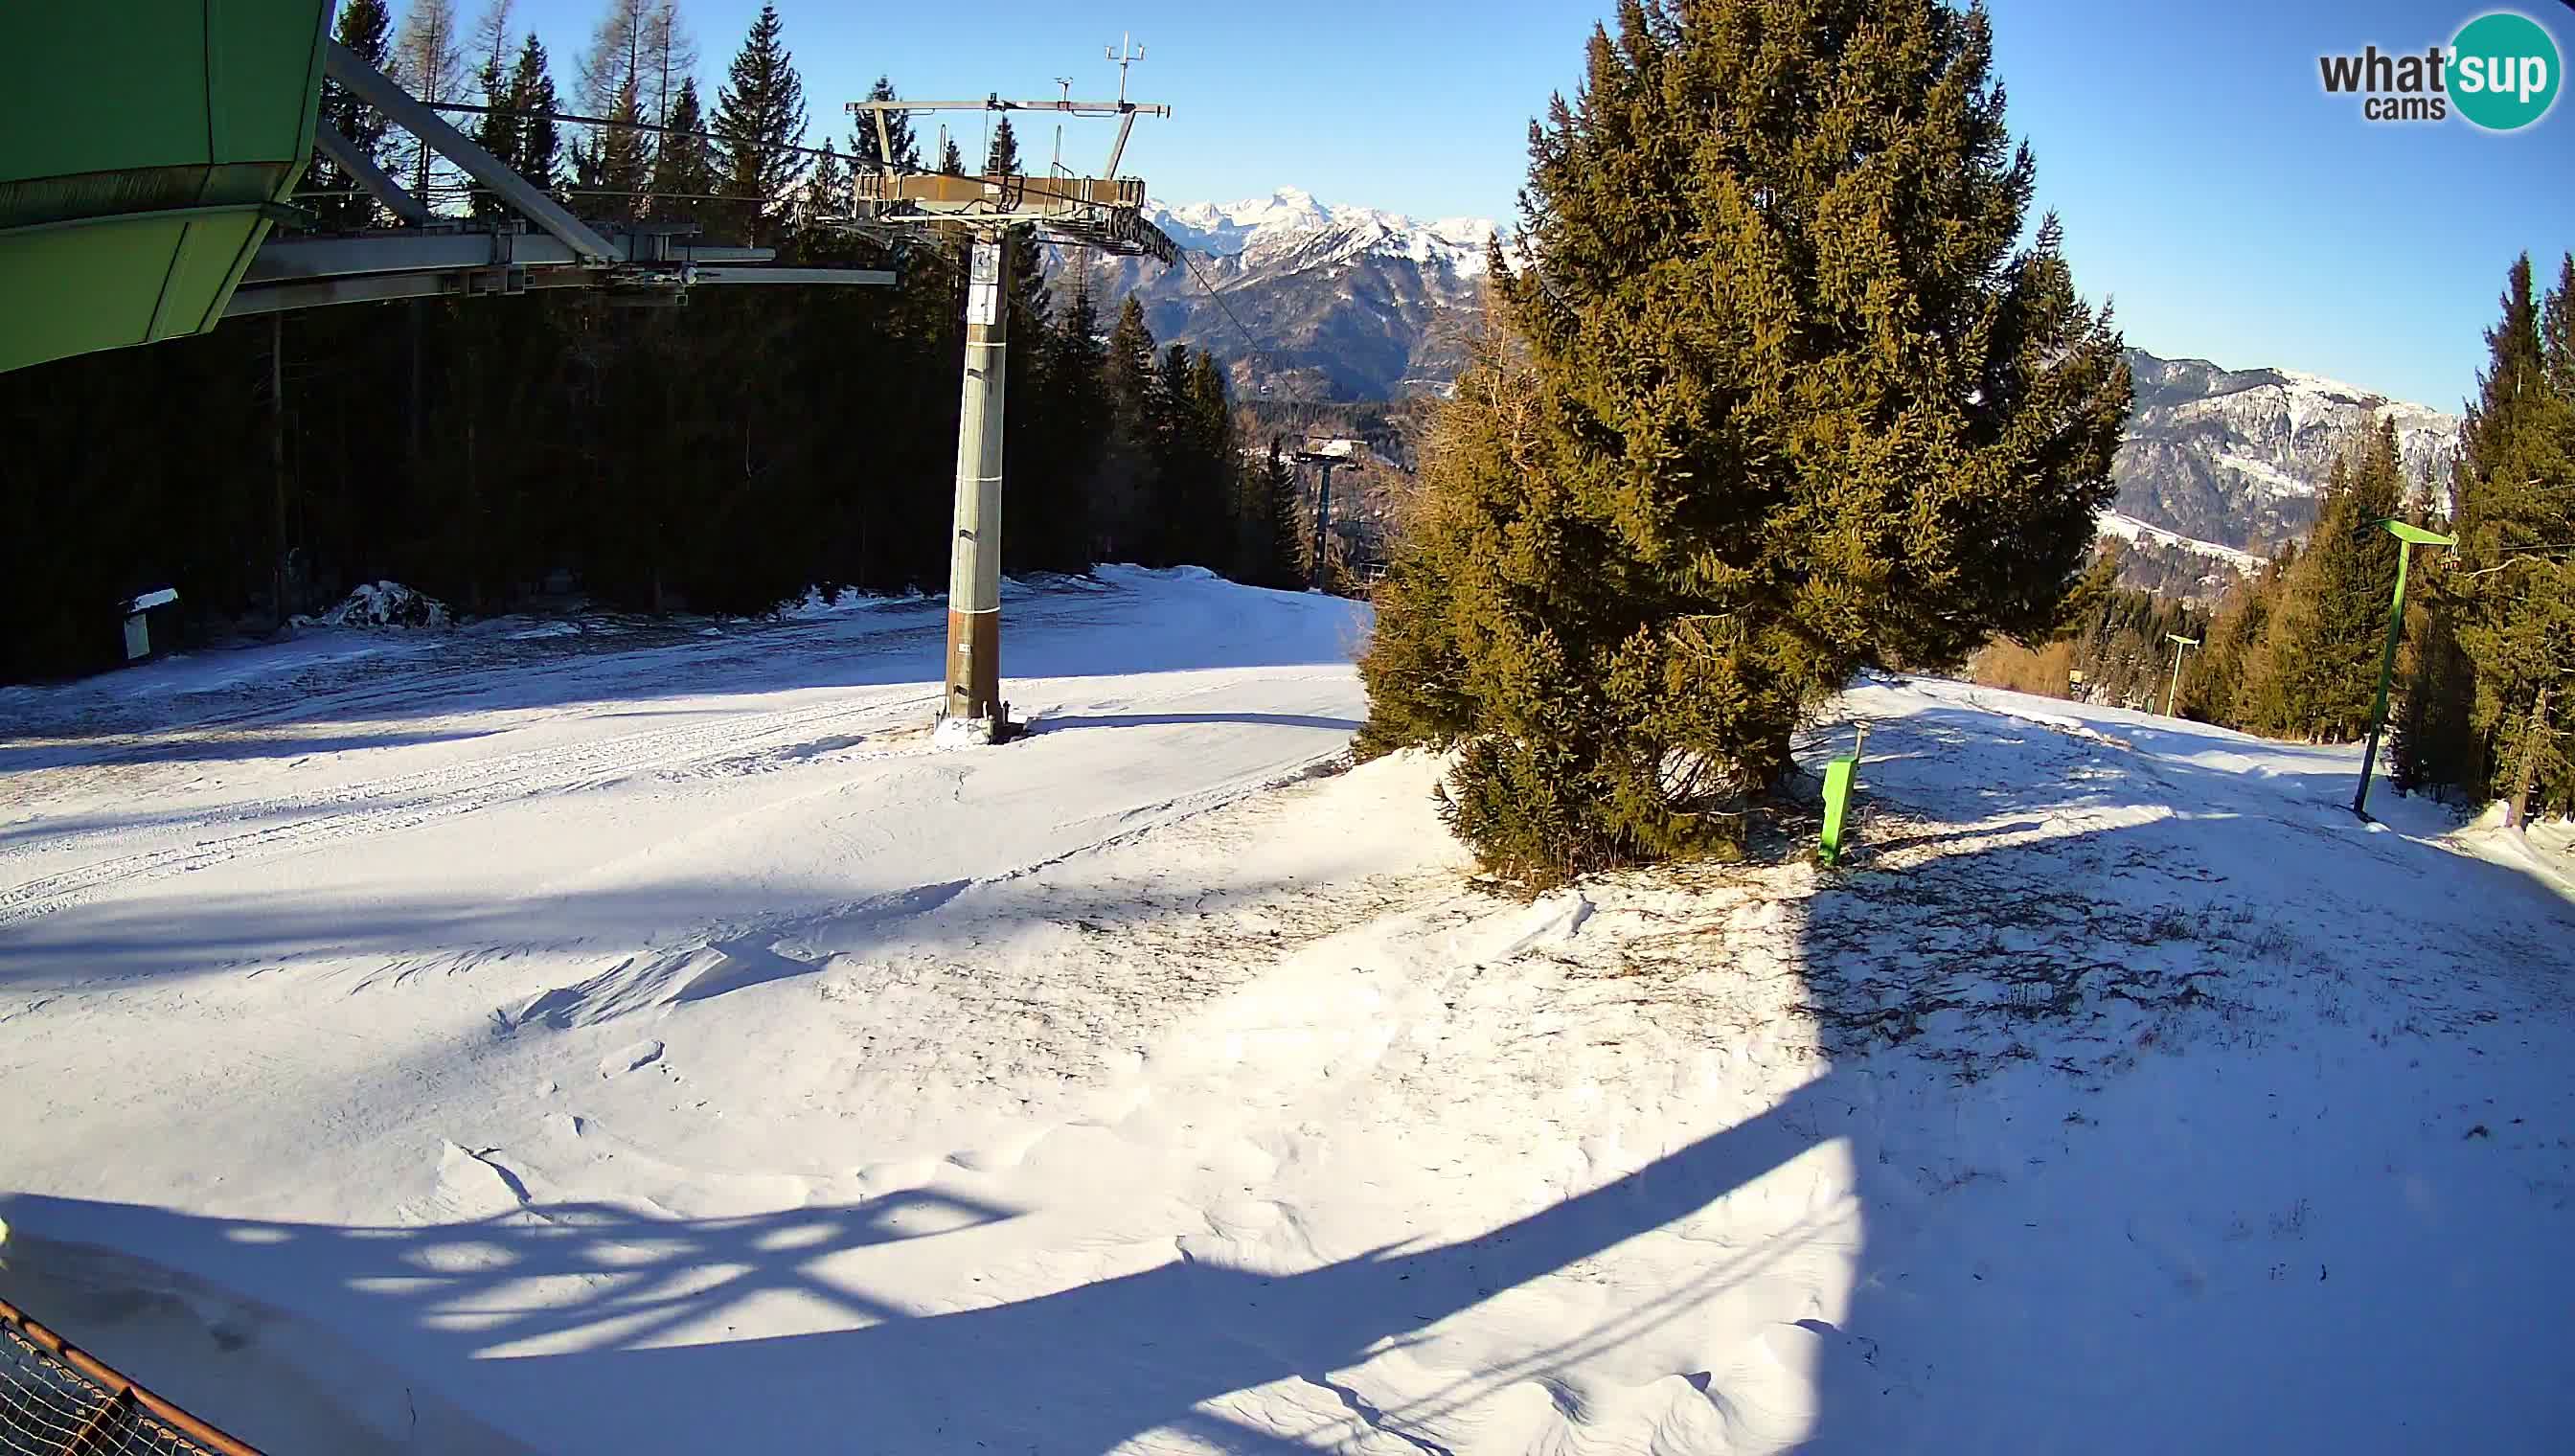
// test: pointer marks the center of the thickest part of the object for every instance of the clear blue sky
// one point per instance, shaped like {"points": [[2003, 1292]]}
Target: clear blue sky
{"points": [[2209, 188]]}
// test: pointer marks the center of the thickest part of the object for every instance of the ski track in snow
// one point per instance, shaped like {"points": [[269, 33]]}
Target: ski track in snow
{"points": [[390, 805], [1158, 1084]]}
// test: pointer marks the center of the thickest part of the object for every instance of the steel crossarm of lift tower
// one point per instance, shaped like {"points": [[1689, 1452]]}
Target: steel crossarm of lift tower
{"points": [[457, 257], [1105, 213]]}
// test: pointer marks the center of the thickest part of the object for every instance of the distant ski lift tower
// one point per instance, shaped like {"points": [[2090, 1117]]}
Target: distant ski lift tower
{"points": [[981, 212]]}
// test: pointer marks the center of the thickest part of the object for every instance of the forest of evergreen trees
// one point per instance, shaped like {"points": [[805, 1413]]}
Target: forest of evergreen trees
{"points": [[724, 456], [2478, 711]]}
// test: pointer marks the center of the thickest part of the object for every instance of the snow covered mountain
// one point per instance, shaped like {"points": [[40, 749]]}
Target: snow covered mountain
{"points": [[1340, 302], [2237, 457], [1322, 301]]}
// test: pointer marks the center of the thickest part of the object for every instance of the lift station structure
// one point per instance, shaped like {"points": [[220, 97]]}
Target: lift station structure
{"points": [[983, 214], [146, 167]]}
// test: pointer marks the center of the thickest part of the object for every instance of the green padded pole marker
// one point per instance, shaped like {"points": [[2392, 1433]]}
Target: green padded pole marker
{"points": [[1837, 788], [1838, 776]]}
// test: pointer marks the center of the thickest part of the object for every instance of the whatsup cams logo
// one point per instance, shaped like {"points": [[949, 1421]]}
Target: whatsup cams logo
{"points": [[2502, 72]]}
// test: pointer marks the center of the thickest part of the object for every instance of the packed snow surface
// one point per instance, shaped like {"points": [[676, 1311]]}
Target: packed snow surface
{"points": [[622, 1039]]}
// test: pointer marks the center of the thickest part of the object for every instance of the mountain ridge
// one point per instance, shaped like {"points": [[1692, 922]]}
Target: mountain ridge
{"points": [[1308, 299]]}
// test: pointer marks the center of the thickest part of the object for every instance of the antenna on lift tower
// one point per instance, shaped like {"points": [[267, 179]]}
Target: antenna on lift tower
{"points": [[1125, 53], [1065, 84], [986, 215]]}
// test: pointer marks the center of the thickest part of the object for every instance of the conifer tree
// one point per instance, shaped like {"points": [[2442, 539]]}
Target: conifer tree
{"points": [[2215, 691], [950, 160], [759, 114], [364, 27], [1001, 158], [1217, 454], [538, 153], [1271, 522], [1070, 420], [2315, 675], [865, 151], [1803, 402], [1182, 466], [684, 171], [2517, 515], [827, 189], [1130, 485], [618, 165]]}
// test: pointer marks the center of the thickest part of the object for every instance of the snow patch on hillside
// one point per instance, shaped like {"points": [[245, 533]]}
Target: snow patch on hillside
{"points": [[2129, 528], [2267, 478]]}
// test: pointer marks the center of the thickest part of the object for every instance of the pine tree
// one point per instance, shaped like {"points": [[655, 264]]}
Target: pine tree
{"points": [[617, 166], [1078, 404], [2315, 675], [950, 160], [683, 174], [429, 62], [1271, 522], [865, 151], [1191, 499], [1804, 403], [827, 192], [760, 115], [1216, 453], [2516, 625], [1130, 485], [538, 153], [2215, 691], [1001, 158]]}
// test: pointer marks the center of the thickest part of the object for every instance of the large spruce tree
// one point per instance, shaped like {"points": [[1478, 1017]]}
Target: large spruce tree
{"points": [[760, 115], [539, 152], [1130, 483], [2517, 626], [684, 166], [1792, 398], [2315, 675]]}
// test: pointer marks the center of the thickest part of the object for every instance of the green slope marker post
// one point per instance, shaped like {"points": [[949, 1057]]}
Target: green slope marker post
{"points": [[2180, 645], [2408, 536], [1838, 776]]}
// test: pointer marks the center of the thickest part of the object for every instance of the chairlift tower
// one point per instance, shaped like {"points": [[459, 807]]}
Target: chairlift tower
{"points": [[981, 212]]}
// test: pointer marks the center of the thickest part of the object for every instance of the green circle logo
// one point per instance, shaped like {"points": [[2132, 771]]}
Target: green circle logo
{"points": [[2504, 71]]}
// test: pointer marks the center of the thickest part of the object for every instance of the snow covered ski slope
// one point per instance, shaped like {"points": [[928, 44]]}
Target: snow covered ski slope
{"points": [[573, 1040]]}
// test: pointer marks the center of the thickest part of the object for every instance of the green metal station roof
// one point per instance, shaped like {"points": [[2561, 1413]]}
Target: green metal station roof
{"points": [[144, 152]]}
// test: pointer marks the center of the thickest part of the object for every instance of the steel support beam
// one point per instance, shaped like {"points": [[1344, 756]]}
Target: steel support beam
{"points": [[857, 277], [400, 250], [344, 154], [270, 298], [995, 103], [377, 90]]}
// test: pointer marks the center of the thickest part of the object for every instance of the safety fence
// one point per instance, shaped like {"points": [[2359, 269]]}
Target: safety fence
{"points": [[59, 1400]]}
